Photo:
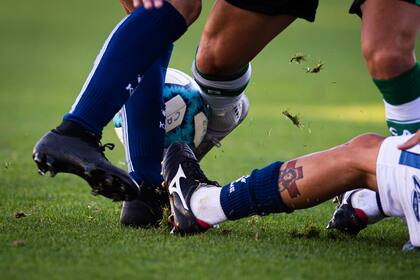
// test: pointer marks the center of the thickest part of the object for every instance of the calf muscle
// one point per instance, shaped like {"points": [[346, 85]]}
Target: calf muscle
{"points": [[312, 179]]}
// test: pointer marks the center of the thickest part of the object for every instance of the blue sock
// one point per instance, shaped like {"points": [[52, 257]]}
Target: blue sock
{"points": [[143, 125], [131, 49], [257, 193]]}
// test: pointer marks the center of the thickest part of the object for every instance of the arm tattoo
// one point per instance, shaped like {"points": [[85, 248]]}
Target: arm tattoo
{"points": [[288, 178]]}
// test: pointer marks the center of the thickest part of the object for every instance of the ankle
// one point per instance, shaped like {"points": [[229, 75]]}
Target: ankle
{"points": [[205, 205], [69, 128]]}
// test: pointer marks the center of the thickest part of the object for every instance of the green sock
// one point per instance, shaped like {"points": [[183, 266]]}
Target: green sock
{"points": [[402, 101], [403, 128]]}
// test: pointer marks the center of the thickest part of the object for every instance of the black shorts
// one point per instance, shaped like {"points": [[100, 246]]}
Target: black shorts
{"points": [[305, 9], [355, 7]]}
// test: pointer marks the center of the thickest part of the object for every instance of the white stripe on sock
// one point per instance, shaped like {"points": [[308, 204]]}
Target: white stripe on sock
{"points": [[96, 63], [405, 112], [126, 141], [226, 85]]}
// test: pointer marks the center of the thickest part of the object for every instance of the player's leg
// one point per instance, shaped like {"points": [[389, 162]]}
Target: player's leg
{"points": [[222, 66], [280, 187], [398, 177], [368, 160], [143, 128], [389, 30], [130, 50], [134, 45]]}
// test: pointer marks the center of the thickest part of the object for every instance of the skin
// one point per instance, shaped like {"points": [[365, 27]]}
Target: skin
{"points": [[387, 54], [389, 30], [415, 140], [326, 174], [189, 9], [127, 5], [223, 37]]}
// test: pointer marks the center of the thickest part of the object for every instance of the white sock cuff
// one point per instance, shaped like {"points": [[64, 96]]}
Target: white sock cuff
{"points": [[221, 102], [222, 87], [406, 112]]}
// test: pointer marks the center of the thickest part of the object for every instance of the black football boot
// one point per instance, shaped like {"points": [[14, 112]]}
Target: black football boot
{"points": [[83, 155], [147, 211], [182, 176], [346, 218]]}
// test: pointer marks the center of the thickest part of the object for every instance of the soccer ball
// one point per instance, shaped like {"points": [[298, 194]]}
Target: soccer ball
{"points": [[186, 112]]}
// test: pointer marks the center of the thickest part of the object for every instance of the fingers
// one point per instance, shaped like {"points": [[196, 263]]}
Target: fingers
{"points": [[414, 140], [149, 4], [137, 3]]}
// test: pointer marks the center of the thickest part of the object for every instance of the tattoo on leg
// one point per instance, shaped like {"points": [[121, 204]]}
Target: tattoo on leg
{"points": [[288, 178]]}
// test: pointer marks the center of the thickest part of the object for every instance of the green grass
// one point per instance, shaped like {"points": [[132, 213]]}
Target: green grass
{"points": [[47, 50]]}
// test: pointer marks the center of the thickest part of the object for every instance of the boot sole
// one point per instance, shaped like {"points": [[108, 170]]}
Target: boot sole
{"points": [[103, 182]]}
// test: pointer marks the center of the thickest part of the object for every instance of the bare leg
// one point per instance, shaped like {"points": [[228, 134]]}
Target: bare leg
{"points": [[232, 37], [389, 30], [228, 29], [312, 179], [301, 183]]}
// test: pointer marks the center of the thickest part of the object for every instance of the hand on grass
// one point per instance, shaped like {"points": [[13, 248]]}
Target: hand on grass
{"points": [[414, 140]]}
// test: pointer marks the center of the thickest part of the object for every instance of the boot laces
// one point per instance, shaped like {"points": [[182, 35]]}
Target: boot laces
{"points": [[103, 147], [192, 168]]}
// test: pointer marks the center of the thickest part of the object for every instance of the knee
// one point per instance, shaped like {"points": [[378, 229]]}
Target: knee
{"points": [[361, 149], [212, 59], [386, 61], [364, 141], [208, 60], [190, 10]]}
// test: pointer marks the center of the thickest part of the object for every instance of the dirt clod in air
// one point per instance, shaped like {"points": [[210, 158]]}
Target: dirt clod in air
{"points": [[298, 58], [315, 69], [294, 118]]}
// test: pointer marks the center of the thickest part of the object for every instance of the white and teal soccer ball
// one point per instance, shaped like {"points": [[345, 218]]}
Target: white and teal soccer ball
{"points": [[186, 111]]}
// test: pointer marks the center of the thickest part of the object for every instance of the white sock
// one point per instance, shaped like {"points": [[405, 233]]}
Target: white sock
{"points": [[403, 119], [404, 112], [365, 200], [221, 88], [226, 112], [221, 103], [205, 205], [224, 97]]}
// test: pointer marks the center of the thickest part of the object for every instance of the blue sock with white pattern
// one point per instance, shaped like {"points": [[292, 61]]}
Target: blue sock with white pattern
{"points": [[257, 193], [143, 125], [131, 49]]}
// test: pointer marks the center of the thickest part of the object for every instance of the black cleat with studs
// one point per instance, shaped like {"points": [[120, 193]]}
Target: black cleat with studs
{"points": [[147, 211], [345, 217], [182, 176], [84, 156]]}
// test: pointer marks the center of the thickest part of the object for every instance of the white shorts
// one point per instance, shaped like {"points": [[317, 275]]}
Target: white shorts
{"points": [[398, 176]]}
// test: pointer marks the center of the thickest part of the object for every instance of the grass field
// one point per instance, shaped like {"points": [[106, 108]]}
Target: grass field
{"points": [[46, 51]]}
